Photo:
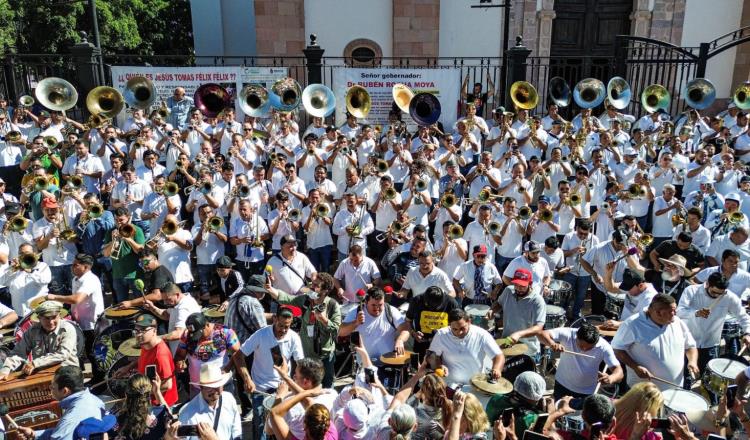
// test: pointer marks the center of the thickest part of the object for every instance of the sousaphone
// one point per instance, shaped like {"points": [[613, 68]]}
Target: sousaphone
{"points": [[318, 100], [285, 95], [56, 94], [211, 99], [589, 93], [139, 92], [424, 108], [559, 92], [618, 92], [524, 95], [741, 96], [105, 102], [699, 93], [655, 97], [402, 96], [358, 102], [254, 101]]}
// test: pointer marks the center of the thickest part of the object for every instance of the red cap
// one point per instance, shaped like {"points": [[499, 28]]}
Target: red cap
{"points": [[49, 202], [522, 277], [296, 311], [480, 249]]}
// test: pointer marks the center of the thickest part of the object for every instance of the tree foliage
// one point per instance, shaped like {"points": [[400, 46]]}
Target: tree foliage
{"points": [[142, 27]]}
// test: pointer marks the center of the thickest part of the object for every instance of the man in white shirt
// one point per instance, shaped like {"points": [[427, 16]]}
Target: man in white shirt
{"points": [[739, 279], [736, 240], [213, 401], [130, 194], [477, 281], [291, 269], [477, 232], [354, 273], [27, 283], [57, 252], [209, 238], [157, 205], [247, 233], [465, 348], [174, 252], [578, 376], [634, 294], [531, 261], [655, 343], [419, 278], [317, 218], [574, 247], [352, 225], [150, 168], [86, 165]]}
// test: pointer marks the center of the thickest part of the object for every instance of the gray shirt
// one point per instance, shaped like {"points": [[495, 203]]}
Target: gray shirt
{"points": [[522, 313], [57, 347]]}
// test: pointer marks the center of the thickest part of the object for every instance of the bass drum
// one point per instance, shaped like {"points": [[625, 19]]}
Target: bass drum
{"points": [[117, 387], [108, 341]]}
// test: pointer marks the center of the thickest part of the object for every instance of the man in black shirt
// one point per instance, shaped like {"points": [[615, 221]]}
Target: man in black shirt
{"points": [[154, 276], [427, 313], [406, 261], [684, 246]]}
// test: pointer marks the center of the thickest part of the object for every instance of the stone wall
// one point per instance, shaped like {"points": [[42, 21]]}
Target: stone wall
{"points": [[742, 59], [416, 25], [280, 27]]}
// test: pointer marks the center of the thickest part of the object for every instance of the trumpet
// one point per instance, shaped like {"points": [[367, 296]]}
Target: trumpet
{"points": [[546, 215], [91, 213], [170, 189], [390, 194], [17, 223], [126, 231], [492, 228], [455, 232], [203, 187], [736, 218], [574, 200], [382, 166], [215, 223], [421, 185], [448, 201], [644, 240], [322, 210], [295, 215], [26, 262], [678, 219], [524, 213]]}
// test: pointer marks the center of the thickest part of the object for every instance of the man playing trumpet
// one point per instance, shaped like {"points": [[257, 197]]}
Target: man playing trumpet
{"points": [[56, 241], [26, 279]]}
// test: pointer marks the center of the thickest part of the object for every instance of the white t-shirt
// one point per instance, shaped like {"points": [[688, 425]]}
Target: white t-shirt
{"points": [[261, 342], [137, 191], [51, 254], [465, 356], [211, 249], [636, 304], [178, 315], [177, 259], [377, 333], [571, 241], [89, 164], [354, 278], [578, 373], [86, 312], [539, 270], [319, 233], [707, 331], [419, 283], [285, 278], [662, 224]]}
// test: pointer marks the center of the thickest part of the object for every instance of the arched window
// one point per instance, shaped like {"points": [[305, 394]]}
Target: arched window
{"points": [[362, 53]]}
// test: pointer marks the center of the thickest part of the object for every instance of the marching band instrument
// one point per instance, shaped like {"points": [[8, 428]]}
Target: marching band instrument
{"points": [[126, 231], [455, 232], [655, 97], [215, 223], [420, 185], [295, 215], [139, 92], [524, 95], [50, 142], [447, 201], [589, 93], [545, 215], [382, 166], [285, 95], [322, 210], [389, 194], [26, 262], [574, 200], [699, 93], [39, 183], [636, 191], [56, 94], [91, 213], [559, 92], [394, 229], [618, 92], [402, 96], [492, 228], [169, 227], [26, 101], [203, 187], [13, 136], [170, 189], [318, 100], [240, 191], [96, 121], [254, 100], [524, 213], [644, 240], [358, 101], [736, 218], [17, 223], [104, 101], [424, 109], [741, 96], [211, 99]]}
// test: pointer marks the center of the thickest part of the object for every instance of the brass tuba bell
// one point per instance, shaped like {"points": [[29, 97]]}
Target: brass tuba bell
{"points": [[424, 108], [589, 93], [558, 92], [140, 92], [618, 92], [56, 94], [402, 96], [358, 102], [318, 100], [699, 93], [105, 101], [524, 95], [26, 101], [741, 96], [285, 95], [655, 97], [254, 100], [211, 99]]}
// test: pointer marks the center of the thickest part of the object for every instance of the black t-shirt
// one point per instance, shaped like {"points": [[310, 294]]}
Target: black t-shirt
{"points": [[156, 279], [692, 254], [401, 266], [661, 286], [425, 319]]}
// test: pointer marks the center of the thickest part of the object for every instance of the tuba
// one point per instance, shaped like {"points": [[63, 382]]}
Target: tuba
{"points": [[524, 95], [104, 102], [699, 93], [618, 92], [402, 96], [589, 93], [358, 101], [655, 97], [254, 100], [318, 100], [559, 92], [139, 92], [741, 96], [211, 99], [285, 95], [425, 109], [56, 94]]}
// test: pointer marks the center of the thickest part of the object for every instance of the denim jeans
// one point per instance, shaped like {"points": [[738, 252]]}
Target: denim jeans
{"points": [[62, 280], [502, 263], [328, 361], [259, 415], [205, 275], [320, 258], [122, 288], [579, 286]]}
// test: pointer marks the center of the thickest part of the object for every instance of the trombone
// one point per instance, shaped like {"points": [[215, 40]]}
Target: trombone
{"points": [[169, 227], [17, 223], [455, 232], [295, 215], [447, 201], [390, 194], [91, 213], [321, 210], [524, 213], [26, 262], [492, 228], [126, 231], [396, 227]]}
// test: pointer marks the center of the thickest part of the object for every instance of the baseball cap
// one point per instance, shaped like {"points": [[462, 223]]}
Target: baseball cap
{"points": [[289, 238], [522, 277], [610, 198], [255, 284], [480, 249], [531, 246], [49, 203], [146, 320], [733, 196], [630, 279], [544, 199], [194, 325], [224, 262], [742, 180], [705, 180], [630, 151], [500, 109]]}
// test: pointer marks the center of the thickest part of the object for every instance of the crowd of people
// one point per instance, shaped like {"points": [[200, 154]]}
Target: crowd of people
{"points": [[431, 260]]}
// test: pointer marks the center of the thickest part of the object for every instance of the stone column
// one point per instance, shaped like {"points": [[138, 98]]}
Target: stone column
{"points": [[544, 26], [640, 19]]}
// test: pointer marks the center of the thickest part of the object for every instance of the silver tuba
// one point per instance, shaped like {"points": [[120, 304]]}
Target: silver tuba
{"points": [[358, 101], [56, 94], [618, 92], [318, 100], [655, 97], [589, 93], [254, 100], [699, 93], [402, 96], [285, 95], [558, 92], [139, 92]]}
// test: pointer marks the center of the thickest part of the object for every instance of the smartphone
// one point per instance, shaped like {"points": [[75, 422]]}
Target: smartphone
{"points": [[369, 375], [541, 419], [355, 339], [187, 431], [531, 435], [278, 360], [731, 394], [660, 424], [450, 391], [507, 414], [414, 361], [151, 372]]}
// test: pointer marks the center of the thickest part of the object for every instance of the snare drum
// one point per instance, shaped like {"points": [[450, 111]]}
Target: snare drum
{"points": [[572, 423], [720, 373], [555, 317], [731, 329], [615, 303], [560, 292], [478, 314], [682, 401]]}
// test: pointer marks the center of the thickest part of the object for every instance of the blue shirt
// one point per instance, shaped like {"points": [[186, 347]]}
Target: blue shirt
{"points": [[179, 111], [75, 408], [92, 236]]}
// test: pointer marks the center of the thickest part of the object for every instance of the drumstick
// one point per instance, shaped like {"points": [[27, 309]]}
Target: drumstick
{"points": [[742, 350], [575, 353], [99, 383], [599, 384], [659, 379]]}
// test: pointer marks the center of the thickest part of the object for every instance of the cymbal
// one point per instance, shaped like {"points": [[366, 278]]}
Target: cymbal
{"points": [[513, 350], [393, 359], [115, 313], [213, 312], [501, 386], [130, 348], [606, 333]]}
